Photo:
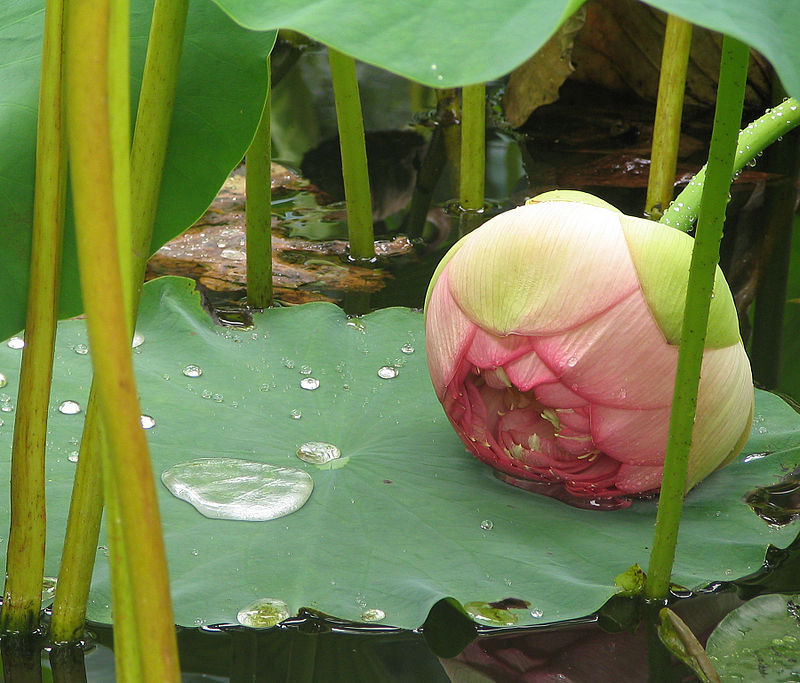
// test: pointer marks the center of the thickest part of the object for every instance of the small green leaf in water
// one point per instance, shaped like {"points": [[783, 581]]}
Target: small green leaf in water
{"points": [[631, 581]]}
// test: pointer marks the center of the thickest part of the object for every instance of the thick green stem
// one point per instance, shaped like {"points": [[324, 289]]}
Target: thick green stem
{"points": [[669, 111], [147, 161], [473, 147], [758, 135], [97, 117], [258, 210], [354, 155], [26, 542], [705, 254]]}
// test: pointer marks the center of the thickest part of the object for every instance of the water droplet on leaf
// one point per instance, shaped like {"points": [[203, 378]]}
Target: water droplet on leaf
{"points": [[69, 407], [407, 348], [230, 488], [487, 524], [318, 452], [387, 372], [16, 343], [309, 383], [147, 422], [137, 341], [192, 371], [295, 414], [81, 349]]}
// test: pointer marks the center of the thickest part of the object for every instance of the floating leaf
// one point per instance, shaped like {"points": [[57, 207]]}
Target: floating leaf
{"points": [[405, 517], [759, 641]]}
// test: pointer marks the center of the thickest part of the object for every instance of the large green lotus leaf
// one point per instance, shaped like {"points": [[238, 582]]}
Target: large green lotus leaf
{"points": [[221, 90], [399, 524], [444, 43], [759, 641]]}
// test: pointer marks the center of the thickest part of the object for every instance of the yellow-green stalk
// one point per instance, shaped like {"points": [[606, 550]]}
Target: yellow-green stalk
{"points": [[26, 542], [97, 118], [669, 112], [354, 155]]}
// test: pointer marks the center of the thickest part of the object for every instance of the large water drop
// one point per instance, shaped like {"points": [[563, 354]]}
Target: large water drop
{"points": [[387, 372], [3, 380], [15, 343], [230, 488]]}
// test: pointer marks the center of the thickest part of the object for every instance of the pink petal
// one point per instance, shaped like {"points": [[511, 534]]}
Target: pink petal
{"points": [[635, 437], [619, 358], [574, 419], [556, 395], [490, 351], [448, 333], [724, 408], [528, 371], [638, 478]]}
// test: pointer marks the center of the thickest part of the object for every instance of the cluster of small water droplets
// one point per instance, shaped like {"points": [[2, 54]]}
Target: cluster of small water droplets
{"points": [[15, 343], [388, 372], [73, 456], [305, 370], [263, 613], [192, 371], [309, 383], [318, 452], [69, 407]]}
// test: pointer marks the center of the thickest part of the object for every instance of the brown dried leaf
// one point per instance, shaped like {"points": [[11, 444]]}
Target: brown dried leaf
{"points": [[536, 82]]}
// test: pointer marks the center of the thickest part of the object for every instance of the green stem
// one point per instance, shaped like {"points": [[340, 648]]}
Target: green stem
{"points": [[147, 161], [669, 111], [428, 176], [153, 117], [473, 147], [26, 543], [258, 210], [758, 135], [705, 254], [97, 115], [83, 529], [354, 155]]}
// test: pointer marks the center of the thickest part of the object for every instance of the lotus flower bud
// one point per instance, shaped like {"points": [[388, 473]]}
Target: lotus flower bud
{"points": [[552, 338]]}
